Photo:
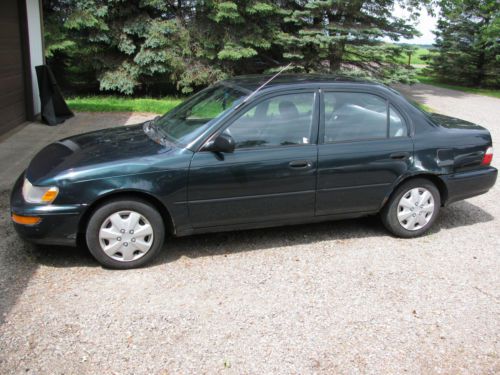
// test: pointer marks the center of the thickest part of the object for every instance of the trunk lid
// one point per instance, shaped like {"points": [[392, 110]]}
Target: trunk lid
{"points": [[454, 123]]}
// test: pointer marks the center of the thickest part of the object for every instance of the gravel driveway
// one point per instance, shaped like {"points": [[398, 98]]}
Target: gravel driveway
{"points": [[340, 297]]}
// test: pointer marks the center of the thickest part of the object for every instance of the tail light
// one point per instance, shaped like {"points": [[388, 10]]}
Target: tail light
{"points": [[488, 156]]}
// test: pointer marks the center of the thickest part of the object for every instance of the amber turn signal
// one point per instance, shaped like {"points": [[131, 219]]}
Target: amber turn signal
{"points": [[25, 220], [50, 195]]}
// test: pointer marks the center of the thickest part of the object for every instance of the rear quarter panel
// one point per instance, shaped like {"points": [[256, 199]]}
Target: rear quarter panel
{"points": [[443, 150]]}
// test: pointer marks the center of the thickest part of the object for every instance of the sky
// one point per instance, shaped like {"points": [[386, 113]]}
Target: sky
{"points": [[425, 24]]}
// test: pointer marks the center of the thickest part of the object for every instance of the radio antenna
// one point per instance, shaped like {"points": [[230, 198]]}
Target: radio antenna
{"points": [[262, 86]]}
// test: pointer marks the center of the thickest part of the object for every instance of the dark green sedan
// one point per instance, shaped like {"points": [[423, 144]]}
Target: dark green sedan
{"points": [[240, 155]]}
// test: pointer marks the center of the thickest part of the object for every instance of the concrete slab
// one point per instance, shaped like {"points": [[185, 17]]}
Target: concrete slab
{"points": [[18, 148]]}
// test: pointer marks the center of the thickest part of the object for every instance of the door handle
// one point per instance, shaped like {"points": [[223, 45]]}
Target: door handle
{"points": [[400, 155], [300, 164]]}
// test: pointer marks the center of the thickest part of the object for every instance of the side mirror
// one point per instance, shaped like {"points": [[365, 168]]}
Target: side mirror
{"points": [[222, 143]]}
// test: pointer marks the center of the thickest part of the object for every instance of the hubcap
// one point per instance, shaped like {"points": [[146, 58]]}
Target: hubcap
{"points": [[126, 236], [415, 208]]}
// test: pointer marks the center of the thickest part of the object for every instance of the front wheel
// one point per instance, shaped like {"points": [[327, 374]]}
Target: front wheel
{"points": [[412, 209], [125, 233]]}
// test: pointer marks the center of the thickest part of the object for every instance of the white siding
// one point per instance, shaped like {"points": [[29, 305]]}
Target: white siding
{"points": [[36, 46]]}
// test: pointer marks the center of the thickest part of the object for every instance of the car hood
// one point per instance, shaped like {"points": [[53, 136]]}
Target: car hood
{"points": [[115, 151]]}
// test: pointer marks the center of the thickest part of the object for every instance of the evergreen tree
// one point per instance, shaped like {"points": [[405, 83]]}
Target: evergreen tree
{"points": [[130, 45], [237, 36], [467, 45], [333, 35], [154, 46]]}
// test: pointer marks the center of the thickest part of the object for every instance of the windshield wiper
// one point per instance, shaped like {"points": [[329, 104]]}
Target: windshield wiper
{"points": [[150, 126], [154, 132]]}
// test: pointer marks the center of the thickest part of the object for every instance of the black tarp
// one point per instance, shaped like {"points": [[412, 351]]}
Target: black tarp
{"points": [[54, 108]]}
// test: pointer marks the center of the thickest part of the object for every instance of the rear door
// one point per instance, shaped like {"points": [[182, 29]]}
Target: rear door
{"points": [[364, 147], [270, 176]]}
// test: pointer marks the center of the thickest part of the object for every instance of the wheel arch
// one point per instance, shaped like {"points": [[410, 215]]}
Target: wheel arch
{"points": [[435, 179], [137, 194]]}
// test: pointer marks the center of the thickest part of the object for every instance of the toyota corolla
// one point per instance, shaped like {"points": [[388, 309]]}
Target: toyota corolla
{"points": [[242, 155]]}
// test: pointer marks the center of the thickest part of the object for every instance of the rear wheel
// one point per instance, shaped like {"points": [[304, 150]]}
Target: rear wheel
{"points": [[125, 233], [412, 209]]}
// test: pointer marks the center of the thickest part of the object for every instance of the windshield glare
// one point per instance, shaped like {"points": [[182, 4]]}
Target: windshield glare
{"points": [[191, 118]]}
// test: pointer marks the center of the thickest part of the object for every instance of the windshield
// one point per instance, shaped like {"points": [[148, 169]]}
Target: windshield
{"points": [[191, 118]]}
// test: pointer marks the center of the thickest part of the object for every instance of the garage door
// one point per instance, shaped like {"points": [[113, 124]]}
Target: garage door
{"points": [[12, 93]]}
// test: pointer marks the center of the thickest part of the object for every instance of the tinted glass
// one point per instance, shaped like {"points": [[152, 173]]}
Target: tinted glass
{"points": [[397, 126], [354, 116], [278, 121], [185, 122]]}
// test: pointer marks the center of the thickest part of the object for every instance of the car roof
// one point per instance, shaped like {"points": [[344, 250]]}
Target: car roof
{"points": [[252, 82]]}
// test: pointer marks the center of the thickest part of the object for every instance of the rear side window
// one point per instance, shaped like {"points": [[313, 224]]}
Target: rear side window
{"points": [[397, 126], [360, 116]]}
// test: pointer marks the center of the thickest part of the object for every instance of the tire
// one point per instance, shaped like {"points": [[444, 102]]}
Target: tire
{"points": [[125, 233], [407, 213]]}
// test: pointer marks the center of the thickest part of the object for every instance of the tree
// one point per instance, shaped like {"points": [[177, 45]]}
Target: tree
{"points": [[154, 47], [238, 36], [137, 45], [467, 45], [333, 35], [67, 52]]}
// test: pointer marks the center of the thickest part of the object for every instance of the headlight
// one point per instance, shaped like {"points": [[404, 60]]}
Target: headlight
{"points": [[39, 194]]}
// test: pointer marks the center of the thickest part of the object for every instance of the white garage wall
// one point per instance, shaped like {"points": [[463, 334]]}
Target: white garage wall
{"points": [[36, 46]]}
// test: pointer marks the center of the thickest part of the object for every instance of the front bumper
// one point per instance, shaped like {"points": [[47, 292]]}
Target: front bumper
{"points": [[58, 225], [469, 184]]}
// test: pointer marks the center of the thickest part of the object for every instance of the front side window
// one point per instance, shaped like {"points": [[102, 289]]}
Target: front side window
{"points": [[358, 116], [279, 121]]}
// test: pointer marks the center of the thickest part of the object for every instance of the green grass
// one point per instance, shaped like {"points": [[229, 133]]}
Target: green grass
{"points": [[424, 107], [416, 57], [432, 81], [121, 104]]}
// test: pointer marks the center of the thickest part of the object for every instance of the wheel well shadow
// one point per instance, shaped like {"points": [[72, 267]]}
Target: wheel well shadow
{"points": [[440, 185], [148, 198]]}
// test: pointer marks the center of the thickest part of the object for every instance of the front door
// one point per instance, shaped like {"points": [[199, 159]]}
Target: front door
{"points": [[364, 148], [270, 176]]}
